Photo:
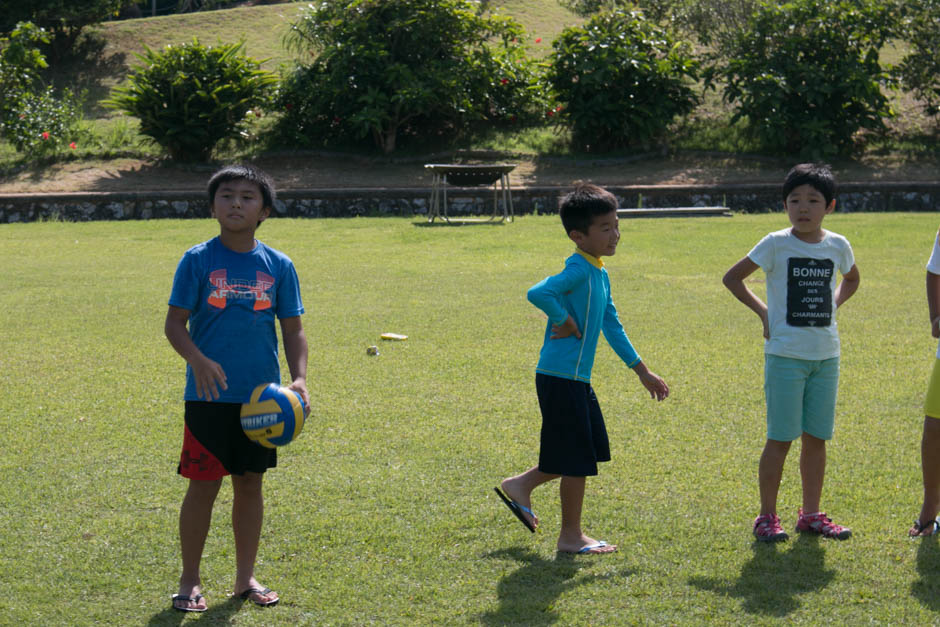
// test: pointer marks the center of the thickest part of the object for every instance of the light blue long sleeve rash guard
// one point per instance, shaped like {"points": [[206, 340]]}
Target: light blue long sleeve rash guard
{"points": [[582, 291]]}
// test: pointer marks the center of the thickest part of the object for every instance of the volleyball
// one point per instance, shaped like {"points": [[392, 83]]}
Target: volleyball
{"points": [[273, 416]]}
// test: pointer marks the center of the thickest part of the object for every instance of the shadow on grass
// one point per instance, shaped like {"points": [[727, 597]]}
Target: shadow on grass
{"points": [[527, 595], [161, 174], [927, 588], [458, 222], [90, 69], [771, 582], [217, 614]]}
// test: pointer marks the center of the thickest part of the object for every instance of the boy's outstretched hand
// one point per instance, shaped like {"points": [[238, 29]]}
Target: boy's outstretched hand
{"points": [[654, 383], [567, 328]]}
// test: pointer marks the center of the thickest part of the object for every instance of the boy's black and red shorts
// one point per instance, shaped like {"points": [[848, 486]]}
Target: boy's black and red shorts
{"points": [[214, 444]]}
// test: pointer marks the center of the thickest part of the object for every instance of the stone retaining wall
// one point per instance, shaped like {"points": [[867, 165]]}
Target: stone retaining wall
{"points": [[408, 202]]}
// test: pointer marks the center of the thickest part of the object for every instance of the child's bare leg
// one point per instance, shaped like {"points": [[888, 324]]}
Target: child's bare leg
{"points": [[812, 471], [247, 515], [769, 474], [930, 468], [519, 488], [195, 517], [572, 539]]}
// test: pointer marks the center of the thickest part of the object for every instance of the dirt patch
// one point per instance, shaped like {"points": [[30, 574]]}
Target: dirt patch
{"points": [[342, 171]]}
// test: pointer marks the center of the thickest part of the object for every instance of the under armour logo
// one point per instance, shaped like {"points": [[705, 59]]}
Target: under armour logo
{"points": [[237, 289]]}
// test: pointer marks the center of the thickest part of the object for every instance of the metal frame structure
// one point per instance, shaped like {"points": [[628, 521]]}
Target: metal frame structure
{"points": [[445, 175]]}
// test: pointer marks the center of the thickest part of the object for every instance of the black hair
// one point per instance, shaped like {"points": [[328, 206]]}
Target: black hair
{"points": [[248, 173], [579, 207], [816, 175]]}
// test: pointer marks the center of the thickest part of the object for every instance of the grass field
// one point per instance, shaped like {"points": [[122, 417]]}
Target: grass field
{"points": [[383, 511]]}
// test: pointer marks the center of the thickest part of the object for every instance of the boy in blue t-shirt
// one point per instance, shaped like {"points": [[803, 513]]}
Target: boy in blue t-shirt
{"points": [[801, 348], [579, 306], [228, 291]]}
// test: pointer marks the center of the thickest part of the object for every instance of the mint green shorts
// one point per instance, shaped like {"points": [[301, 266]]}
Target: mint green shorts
{"points": [[801, 397]]}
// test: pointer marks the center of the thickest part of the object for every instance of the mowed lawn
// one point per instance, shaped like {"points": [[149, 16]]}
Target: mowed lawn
{"points": [[383, 511]]}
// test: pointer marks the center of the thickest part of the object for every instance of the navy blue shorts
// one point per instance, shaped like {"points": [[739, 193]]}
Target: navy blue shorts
{"points": [[574, 438], [214, 444]]}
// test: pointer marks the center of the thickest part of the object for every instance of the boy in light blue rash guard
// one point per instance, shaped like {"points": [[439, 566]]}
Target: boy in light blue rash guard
{"points": [[583, 289], [579, 306]]}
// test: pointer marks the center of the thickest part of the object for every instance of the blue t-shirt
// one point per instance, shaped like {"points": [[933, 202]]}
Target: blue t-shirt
{"points": [[233, 299], [582, 291]]}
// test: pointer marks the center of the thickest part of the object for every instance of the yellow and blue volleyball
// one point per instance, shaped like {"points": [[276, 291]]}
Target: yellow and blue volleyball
{"points": [[273, 416]]}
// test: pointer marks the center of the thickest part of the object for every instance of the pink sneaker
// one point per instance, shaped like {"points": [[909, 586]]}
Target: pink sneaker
{"points": [[820, 523], [767, 529]]}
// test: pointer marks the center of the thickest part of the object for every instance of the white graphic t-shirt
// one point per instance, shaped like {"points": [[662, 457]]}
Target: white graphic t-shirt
{"points": [[801, 284]]}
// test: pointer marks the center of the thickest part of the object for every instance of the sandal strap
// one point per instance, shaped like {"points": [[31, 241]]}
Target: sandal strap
{"points": [[921, 526], [180, 597]]}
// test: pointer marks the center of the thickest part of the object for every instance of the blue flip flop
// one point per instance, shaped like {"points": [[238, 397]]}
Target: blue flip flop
{"points": [[591, 547], [517, 508]]}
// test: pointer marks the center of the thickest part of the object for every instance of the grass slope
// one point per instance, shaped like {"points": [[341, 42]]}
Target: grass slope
{"points": [[383, 511], [262, 28]]}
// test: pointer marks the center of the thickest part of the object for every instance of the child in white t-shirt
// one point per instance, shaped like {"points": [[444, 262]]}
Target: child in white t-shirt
{"points": [[801, 351], [927, 523]]}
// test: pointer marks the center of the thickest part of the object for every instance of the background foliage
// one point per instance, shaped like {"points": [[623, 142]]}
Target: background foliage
{"points": [[807, 77], [501, 104], [190, 97], [63, 19], [621, 80], [920, 68], [711, 23], [385, 68], [35, 119]]}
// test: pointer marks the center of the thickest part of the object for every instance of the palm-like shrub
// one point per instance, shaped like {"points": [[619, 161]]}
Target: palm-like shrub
{"points": [[190, 97]]}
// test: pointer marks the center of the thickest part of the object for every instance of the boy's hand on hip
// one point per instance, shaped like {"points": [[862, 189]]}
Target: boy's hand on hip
{"points": [[565, 329]]}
